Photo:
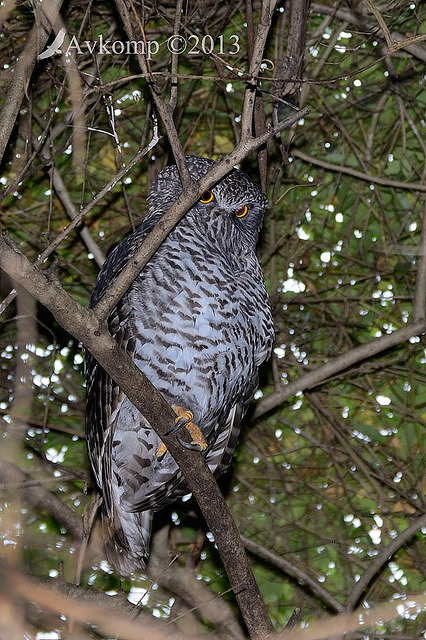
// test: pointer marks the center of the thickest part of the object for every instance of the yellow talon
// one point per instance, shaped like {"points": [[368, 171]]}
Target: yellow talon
{"points": [[185, 416], [196, 435]]}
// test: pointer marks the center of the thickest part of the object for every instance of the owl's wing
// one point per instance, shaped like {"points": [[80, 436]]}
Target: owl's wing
{"points": [[104, 397], [220, 455], [104, 400]]}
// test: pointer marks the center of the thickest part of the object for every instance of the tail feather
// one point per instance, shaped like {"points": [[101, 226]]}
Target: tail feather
{"points": [[127, 538]]}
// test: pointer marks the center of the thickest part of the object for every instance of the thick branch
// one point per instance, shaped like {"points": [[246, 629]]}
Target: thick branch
{"points": [[114, 616], [420, 297], [288, 71], [84, 326]]}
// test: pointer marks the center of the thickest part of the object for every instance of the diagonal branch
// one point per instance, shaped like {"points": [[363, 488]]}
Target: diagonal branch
{"points": [[114, 616], [84, 326], [381, 560], [189, 196], [337, 365], [47, 14]]}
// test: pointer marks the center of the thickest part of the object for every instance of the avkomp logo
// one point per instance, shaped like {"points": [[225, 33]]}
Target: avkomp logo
{"points": [[55, 47]]}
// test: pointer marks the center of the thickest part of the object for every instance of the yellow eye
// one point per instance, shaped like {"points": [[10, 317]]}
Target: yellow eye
{"points": [[206, 197], [241, 211]]}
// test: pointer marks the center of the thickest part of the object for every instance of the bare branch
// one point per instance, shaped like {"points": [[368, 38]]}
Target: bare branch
{"points": [[381, 560], [84, 326], [46, 15], [348, 171], [111, 615], [288, 72], [382, 23], [420, 299]]}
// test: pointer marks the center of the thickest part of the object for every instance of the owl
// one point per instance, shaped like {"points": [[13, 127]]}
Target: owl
{"points": [[197, 322]]}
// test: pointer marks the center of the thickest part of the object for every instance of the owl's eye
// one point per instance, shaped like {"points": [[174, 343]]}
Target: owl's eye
{"points": [[241, 211], [206, 197]]}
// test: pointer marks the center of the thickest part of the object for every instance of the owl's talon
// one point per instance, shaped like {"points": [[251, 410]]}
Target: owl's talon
{"points": [[184, 419], [180, 422], [192, 446]]}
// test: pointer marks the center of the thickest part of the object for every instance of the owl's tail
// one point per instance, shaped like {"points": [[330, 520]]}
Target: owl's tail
{"points": [[127, 537]]}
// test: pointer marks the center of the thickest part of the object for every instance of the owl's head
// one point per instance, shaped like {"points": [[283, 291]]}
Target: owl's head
{"points": [[235, 197]]}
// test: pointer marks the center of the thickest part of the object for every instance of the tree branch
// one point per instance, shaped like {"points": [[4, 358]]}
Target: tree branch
{"points": [[85, 326], [420, 297], [288, 71], [348, 171], [339, 364], [46, 15], [113, 616], [294, 572], [382, 558]]}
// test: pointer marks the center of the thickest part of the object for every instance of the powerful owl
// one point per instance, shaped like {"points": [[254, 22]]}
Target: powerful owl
{"points": [[197, 322]]}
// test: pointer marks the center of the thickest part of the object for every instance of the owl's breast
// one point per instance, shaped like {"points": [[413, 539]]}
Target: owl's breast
{"points": [[197, 329]]}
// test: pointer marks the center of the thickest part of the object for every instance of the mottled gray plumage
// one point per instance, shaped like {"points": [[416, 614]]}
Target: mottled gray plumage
{"points": [[197, 322]]}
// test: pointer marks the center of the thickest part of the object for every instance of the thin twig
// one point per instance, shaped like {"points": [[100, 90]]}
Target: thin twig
{"points": [[420, 295], [396, 184]]}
